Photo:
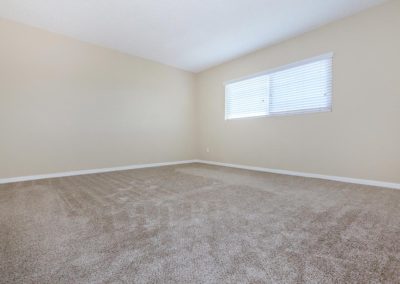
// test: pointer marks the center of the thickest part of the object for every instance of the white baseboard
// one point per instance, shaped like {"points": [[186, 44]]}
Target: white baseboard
{"points": [[259, 169], [93, 171], [300, 174]]}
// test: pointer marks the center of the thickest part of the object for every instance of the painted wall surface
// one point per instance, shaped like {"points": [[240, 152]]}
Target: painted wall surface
{"points": [[67, 105], [360, 138]]}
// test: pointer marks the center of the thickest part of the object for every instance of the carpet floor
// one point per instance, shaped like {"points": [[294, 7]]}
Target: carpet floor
{"points": [[196, 223]]}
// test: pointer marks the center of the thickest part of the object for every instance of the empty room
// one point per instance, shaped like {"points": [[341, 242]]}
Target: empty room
{"points": [[185, 141]]}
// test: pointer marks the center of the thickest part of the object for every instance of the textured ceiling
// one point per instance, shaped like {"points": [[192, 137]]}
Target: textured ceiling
{"points": [[189, 34]]}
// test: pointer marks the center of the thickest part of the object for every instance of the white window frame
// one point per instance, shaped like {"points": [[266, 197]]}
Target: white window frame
{"points": [[328, 55]]}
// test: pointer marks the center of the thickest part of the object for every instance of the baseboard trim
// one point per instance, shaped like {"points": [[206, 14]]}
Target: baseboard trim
{"points": [[259, 169], [309, 175], [93, 171]]}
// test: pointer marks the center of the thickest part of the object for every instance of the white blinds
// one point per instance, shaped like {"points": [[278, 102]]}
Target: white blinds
{"points": [[302, 89], [298, 88], [247, 98]]}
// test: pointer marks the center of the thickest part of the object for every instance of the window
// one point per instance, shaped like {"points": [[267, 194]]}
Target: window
{"points": [[302, 87]]}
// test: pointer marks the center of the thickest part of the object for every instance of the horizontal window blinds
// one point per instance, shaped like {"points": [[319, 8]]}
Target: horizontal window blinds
{"points": [[301, 89], [298, 88], [247, 98]]}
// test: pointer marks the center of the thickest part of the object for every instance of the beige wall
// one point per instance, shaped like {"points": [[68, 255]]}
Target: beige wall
{"points": [[359, 139], [66, 105]]}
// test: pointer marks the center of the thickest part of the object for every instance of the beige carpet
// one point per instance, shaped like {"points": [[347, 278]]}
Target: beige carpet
{"points": [[197, 224]]}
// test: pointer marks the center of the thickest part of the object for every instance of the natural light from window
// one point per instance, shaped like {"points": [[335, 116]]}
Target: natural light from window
{"points": [[302, 87]]}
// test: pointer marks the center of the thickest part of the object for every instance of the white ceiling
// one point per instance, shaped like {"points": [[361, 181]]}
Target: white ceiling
{"points": [[189, 34]]}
